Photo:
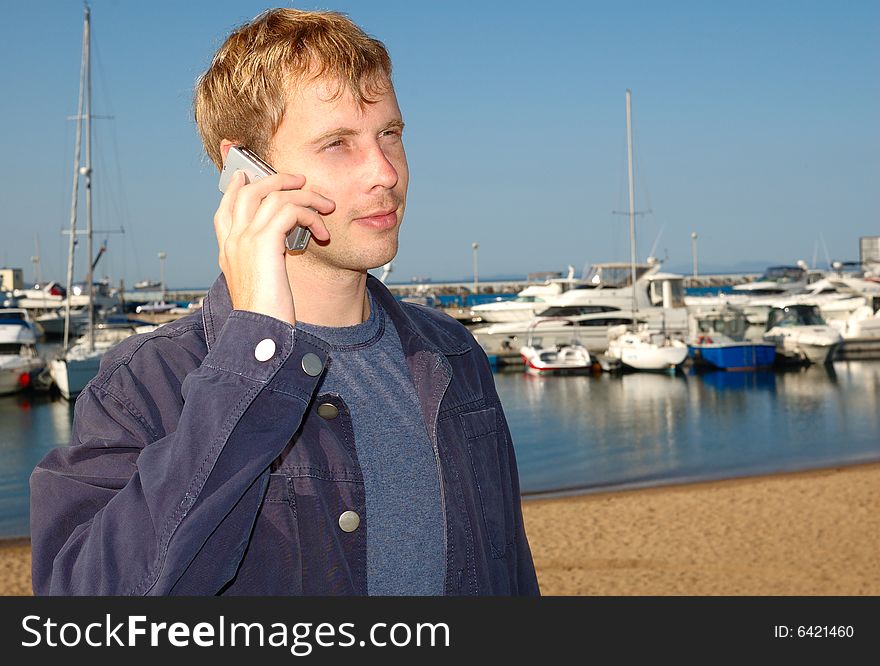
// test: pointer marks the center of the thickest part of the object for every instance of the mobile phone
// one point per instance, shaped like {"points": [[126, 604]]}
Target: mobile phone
{"points": [[240, 158]]}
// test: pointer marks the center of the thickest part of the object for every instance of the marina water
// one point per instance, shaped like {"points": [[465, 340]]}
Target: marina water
{"points": [[579, 434]]}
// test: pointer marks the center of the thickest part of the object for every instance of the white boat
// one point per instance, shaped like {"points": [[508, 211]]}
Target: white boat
{"points": [[505, 339], [801, 334], [74, 369], [77, 364], [52, 302], [20, 363], [838, 296], [647, 350], [147, 284], [644, 347], [155, 307], [861, 324], [776, 281], [529, 302], [563, 358], [46, 296], [52, 323], [603, 302]]}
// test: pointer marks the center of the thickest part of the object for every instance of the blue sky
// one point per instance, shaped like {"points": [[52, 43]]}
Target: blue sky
{"points": [[755, 126]]}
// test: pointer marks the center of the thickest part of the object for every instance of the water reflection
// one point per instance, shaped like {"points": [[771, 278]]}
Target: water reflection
{"points": [[593, 431], [596, 431], [30, 426]]}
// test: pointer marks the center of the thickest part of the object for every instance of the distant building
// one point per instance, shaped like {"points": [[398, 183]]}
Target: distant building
{"points": [[869, 250], [11, 278]]}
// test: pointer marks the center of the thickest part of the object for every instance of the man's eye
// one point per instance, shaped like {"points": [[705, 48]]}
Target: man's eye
{"points": [[334, 144]]}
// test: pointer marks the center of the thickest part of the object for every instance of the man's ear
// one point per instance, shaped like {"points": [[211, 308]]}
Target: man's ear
{"points": [[225, 145]]}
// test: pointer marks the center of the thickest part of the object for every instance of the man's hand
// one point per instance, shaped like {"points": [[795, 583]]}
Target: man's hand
{"points": [[251, 224]]}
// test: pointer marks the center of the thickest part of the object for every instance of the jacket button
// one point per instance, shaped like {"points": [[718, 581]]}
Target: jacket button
{"points": [[349, 521], [312, 365], [328, 411], [264, 350]]}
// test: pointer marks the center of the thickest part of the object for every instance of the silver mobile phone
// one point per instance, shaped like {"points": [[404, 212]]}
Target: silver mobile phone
{"points": [[240, 158]]}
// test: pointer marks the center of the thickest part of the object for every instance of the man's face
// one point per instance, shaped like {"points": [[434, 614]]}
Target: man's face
{"points": [[353, 156]]}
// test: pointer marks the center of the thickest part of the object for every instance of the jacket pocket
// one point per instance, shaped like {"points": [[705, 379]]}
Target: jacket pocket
{"points": [[272, 563], [490, 473]]}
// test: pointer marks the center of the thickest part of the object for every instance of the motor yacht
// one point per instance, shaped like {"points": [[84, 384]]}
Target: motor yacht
{"points": [[20, 364], [528, 303], [801, 334], [604, 301], [563, 358]]}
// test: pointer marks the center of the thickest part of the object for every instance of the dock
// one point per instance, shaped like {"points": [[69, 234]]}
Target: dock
{"points": [[853, 349], [859, 349]]}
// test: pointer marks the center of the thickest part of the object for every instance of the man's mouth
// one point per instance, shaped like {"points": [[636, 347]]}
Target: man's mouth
{"points": [[383, 218]]}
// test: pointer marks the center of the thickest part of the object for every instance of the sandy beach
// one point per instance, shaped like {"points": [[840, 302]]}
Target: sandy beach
{"points": [[808, 533]]}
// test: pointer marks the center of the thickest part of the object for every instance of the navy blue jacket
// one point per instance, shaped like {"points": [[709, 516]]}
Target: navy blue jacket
{"points": [[195, 468]]}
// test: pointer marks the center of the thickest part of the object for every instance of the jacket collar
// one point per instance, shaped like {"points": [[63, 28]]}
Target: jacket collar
{"points": [[407, 318]]}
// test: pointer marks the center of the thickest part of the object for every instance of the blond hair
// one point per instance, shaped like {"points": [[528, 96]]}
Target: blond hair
{"points": [[243, 94]]}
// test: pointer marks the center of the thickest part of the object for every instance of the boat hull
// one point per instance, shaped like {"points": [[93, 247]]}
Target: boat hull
{"points": [[657, 359], [71, 376], [737, 356], [805, 344], [567, 360], [640, 355]]}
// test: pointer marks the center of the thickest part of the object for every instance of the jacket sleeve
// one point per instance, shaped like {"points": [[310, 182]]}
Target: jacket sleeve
{"points": [[526, 580], [129, 505]]}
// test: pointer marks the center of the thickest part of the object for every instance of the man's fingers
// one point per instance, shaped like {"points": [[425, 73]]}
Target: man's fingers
{"points": [[251, 196], [290, 216], [223, 215]]}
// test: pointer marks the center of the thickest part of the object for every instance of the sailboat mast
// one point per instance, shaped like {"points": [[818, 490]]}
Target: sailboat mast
{"points": [[75, 190], [632, 200], [87, 171]]}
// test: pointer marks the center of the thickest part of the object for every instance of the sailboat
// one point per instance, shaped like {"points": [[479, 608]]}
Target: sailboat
{"points": [[79, 363], [641, 348]]}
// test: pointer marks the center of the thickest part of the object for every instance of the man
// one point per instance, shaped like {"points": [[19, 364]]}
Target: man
{"points": [[305, 433]]}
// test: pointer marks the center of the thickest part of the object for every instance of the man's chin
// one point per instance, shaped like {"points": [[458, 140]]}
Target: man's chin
{"points": [[384, 258], [362, 258]]}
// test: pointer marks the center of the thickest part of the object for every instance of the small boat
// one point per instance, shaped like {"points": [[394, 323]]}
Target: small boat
{"points": [[719, 339], [609, 363], [155, 307], [20, 364], [147, 284], [801, 335], [724, 353], [647, 350], [559, 359]]}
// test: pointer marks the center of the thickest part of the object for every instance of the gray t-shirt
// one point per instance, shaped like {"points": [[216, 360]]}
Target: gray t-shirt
{"points": [[405, 540]]}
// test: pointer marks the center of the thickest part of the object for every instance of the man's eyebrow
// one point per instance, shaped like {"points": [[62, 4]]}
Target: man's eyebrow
{"points": [[394, 124], [341, 132], [336, 133]]}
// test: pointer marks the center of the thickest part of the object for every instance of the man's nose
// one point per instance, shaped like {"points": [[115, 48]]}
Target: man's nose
{"points": [[381, 171]]}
